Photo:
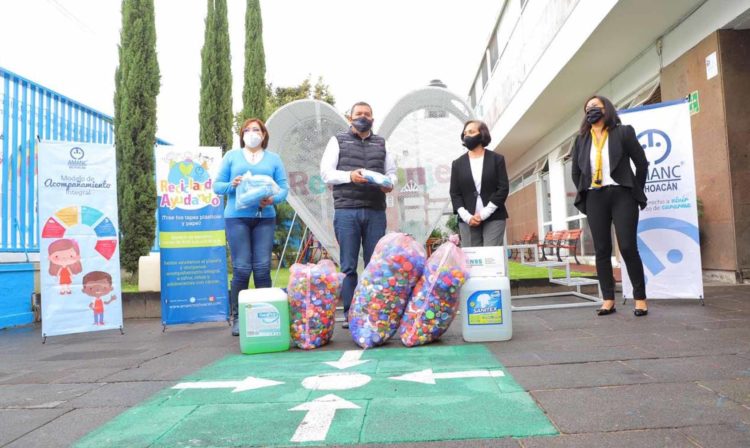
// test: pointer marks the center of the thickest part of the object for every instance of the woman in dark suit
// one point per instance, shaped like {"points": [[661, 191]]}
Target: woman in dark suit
{"points": [[479, 187], [609, 192]]}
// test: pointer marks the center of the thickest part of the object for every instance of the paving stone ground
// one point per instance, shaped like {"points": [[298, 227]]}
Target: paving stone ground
{"points": [[679, 377]]}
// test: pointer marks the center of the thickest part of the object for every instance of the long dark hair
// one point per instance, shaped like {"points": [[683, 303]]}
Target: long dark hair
{"points": [[611, 119]]}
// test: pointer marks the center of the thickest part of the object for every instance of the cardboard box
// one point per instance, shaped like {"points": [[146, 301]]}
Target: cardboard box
{"points": [[486, 261]]}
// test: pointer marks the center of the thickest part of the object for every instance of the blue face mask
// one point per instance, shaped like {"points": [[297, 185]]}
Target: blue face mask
{"points": [[362, 124]]}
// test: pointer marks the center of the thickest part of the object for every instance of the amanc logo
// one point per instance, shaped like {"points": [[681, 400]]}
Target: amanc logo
{"points": [[76, 161], [661, 176], [657, 145]]}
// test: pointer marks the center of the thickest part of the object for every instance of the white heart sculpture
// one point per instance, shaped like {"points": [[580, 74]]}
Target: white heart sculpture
{"points": [[422, 131]]}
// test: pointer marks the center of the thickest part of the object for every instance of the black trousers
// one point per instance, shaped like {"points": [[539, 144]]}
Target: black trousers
{"points": [[608, 205]]}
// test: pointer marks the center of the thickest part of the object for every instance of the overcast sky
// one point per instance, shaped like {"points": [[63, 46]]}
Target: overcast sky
{"points": [[375, 51]]}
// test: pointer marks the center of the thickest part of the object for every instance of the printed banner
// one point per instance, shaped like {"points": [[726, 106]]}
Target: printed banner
{"points": [[668, 238], [79, 254], [192, 240]]}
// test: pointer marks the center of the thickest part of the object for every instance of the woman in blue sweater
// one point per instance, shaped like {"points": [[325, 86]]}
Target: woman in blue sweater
{"points": [[250, 230]]}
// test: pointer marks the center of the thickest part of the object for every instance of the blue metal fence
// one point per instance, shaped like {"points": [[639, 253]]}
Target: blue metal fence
{"points": [[30, 112]]}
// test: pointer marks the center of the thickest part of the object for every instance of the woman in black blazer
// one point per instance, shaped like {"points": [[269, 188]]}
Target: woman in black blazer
{"points": [[479, 187], [609, 192]]}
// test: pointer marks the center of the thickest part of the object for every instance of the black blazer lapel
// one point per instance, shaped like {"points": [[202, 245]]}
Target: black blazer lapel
{"points": [[466, 171], [488, 172], [584, 156], [615, 148]]}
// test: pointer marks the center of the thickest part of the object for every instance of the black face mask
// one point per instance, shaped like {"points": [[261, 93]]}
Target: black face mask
{"points": [[472, 141], [362, 124], [594, 114]]}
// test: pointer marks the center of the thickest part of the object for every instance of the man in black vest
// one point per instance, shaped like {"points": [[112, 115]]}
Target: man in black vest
{"points": [[359, 216]]}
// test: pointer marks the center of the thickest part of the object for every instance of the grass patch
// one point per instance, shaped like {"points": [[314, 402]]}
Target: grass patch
{"points": [[517, 271], [281, 282], [129, 287]]}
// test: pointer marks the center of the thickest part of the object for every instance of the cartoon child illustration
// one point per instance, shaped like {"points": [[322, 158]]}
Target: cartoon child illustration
{"points": [[97, 284], [64, 262]]}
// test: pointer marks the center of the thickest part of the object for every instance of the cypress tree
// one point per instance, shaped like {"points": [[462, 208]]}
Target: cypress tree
{"points": [[215, 113], [136, 87], [254, 89]]}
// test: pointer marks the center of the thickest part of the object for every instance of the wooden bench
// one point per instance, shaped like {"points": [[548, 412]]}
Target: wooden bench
{"points": [[569, 241], [550, 241], [528, 238]]}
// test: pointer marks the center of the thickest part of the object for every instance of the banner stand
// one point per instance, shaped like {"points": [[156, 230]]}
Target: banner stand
{"points": [[192, 238], [79, 262], [668, 234]]}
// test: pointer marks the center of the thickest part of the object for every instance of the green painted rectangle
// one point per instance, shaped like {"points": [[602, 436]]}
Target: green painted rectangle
{"points": [[487, 404]]}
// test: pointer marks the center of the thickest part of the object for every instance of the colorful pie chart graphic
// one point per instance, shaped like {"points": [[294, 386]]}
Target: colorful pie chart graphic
{"points": [[62, 220]]}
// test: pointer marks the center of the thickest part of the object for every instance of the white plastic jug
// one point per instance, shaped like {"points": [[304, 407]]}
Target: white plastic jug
{"points": [[485, 309]]}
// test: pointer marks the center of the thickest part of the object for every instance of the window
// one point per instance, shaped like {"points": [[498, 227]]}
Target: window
{"points": [[546, 200], [566, 149], [525, 179], [516, 184], [648, 94], [485, 71], [472, 96], [493, 51], [570, 191]]}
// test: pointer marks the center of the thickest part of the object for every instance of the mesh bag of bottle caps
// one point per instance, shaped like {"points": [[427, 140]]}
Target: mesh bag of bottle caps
{"points": [[313, 292], [434, 303], [384, 289]]}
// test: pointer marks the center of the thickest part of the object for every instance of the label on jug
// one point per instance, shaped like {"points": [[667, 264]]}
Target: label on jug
{"points": [[485, 307], [263, 320]]}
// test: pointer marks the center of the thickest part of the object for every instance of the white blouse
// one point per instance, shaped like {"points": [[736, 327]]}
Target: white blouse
{"points": [[606, 178], [476, 173]]}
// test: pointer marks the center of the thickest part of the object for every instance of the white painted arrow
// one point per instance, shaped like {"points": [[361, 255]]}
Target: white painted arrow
{"points": [[350, 358], [248, 383], [427, 376], [317, 421]]}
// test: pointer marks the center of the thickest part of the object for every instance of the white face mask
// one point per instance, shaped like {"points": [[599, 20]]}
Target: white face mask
{"points": [[252, 139]]}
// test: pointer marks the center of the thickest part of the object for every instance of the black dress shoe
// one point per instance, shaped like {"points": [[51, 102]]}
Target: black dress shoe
{"points": [[605, 311], [640, 312]]}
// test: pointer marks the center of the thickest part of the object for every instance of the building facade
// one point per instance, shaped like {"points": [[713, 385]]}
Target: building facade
{"points": [[543, 59]]}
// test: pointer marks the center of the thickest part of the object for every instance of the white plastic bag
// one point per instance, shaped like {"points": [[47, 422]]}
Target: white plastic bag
{"points": [[253, 188], [376, 178]]}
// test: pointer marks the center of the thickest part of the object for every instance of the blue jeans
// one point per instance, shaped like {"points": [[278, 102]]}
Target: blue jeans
{"points": [[250, 244], [355, 227]]}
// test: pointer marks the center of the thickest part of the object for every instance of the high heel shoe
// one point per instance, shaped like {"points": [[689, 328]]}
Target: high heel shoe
{"points": [[638, 312], [605, 311]]}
